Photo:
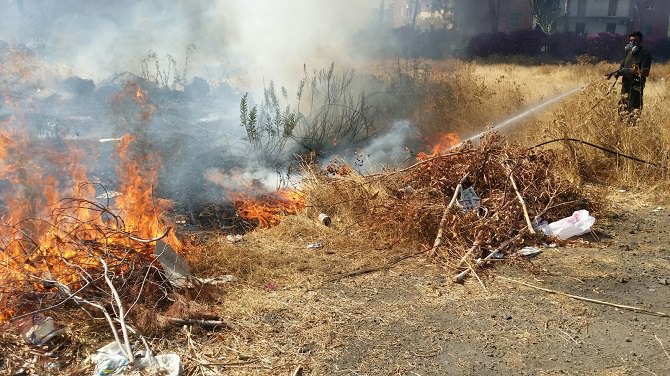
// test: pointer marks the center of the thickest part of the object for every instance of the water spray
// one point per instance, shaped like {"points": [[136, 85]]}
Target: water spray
{"points": [[522, 115]]}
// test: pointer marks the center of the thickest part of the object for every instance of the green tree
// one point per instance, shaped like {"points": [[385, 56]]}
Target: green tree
{"points": [[546, 13]]}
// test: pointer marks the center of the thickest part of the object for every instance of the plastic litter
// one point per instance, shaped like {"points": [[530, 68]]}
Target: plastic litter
{"points": [[175, 267], [578, 224], [109, 360], [529, 251], [37, 329], [325, 219], [469, 199], [234, 238], [315, 245]]}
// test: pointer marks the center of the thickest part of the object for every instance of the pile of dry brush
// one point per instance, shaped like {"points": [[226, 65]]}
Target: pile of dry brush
{"points": [[97, 276], [517, 186]]}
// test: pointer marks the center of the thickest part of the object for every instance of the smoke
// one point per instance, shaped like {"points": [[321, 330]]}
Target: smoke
{"points": [[252, 40], [232, 46], [392, 148]]}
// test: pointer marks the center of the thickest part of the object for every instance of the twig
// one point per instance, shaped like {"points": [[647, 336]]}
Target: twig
{"points": [[460, 277], [475, 245], [121, 315], [663, 347], [200, 322], [636, 309], [523, 203], [108, 317], [372, 269], [419, 163], [147, 241], [297, 371], [600, 148], [443, 221]]}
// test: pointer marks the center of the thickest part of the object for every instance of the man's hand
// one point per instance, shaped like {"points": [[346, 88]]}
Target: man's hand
{"points": [[613, 73], [628, 72]]}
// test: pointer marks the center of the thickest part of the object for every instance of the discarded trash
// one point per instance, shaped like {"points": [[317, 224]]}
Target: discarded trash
{"points": [[175, 267], [315, 245], [109, 360], [37, 329], [325, 219], [658, 209], [164, 364], [234, 238], [578, 224], [469, 199], [529, 251], [406, 190], [227, 278], [107, 195]]}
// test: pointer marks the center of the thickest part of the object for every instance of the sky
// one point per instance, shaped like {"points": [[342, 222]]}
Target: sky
{"points": [[243, 43], [253, 40]]}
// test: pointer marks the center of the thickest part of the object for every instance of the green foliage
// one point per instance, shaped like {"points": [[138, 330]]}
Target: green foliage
{"points": [[269, 125], [166, 76], [334, 114], [546, 13]]}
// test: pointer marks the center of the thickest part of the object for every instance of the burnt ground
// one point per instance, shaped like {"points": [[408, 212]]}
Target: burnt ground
{"points": [[412, 320]]}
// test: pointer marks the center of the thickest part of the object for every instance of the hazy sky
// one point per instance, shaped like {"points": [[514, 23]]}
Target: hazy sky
{"points": [[271, 39]]}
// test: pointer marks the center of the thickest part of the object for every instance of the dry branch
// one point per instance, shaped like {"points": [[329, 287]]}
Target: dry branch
{"points": [[523, 204], [631, 308]]}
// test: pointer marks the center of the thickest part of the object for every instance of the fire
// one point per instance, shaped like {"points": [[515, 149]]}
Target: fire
{"points": [[49, 212], [251, 200], [445, 143], [267, 210], [134, 92]]}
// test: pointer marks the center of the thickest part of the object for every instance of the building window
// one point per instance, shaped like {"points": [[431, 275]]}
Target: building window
{"points": [[515, 21], [651, 4], [580, 28], [611, 10], [581, 8], [611, 27], [647, 30]]}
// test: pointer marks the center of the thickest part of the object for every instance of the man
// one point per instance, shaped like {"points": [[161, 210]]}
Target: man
{"points": [[634, 70]]}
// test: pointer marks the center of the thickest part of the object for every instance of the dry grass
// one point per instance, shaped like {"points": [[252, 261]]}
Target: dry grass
{"points": [[279, 321]]}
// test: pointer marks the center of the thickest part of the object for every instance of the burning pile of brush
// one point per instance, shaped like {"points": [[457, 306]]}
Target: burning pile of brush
{"points": [[466, 204]]}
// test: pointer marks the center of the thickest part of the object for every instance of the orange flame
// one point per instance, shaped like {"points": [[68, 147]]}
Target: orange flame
{"points": [[35, 224], [134, 92], [267, 210], [445, 142]]}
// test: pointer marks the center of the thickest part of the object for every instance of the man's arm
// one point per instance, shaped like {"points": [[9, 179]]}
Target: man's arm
{"points": [[645, 65]]}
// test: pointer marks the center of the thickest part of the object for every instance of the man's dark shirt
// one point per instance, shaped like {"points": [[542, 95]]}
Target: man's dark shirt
{"points": [[640, 60]]}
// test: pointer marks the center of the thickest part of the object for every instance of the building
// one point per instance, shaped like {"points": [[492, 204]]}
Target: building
{"points": [[468, 16], [471, 17], [617, 16]]}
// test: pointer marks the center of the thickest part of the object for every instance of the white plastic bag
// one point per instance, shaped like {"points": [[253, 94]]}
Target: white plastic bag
{"points": [[578, 224]]}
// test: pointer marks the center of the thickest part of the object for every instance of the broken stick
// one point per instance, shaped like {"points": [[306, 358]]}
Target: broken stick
{"points": [[523, 204], [445, 213]]}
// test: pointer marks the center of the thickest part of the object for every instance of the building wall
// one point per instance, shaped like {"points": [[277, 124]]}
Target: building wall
{"points": [[653, 18], [595, 16], [471, 17], [474, 16]]}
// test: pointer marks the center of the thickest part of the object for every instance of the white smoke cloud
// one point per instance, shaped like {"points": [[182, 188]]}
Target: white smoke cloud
{"points": [[256, 40]]}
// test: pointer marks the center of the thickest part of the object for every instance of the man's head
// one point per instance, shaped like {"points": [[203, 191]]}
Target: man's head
{"points": [[635, 37], [634, 40]]}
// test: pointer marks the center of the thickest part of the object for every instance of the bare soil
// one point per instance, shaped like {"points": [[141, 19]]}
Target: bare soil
{"points": [[411, 319]]}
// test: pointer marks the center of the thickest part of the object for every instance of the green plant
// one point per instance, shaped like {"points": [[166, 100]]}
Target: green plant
{"points": [[335, 114], [270, 125], [166, 76]]}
